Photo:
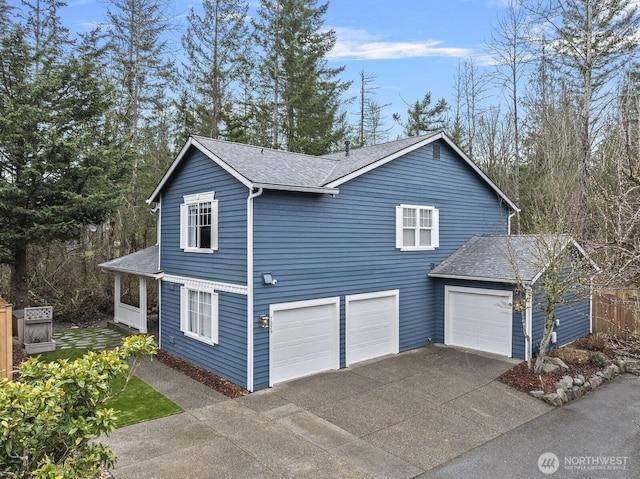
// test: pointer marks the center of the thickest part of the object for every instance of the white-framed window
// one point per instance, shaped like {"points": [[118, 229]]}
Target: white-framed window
{"points": [[199, 314], [199, 223], [417, 227]]}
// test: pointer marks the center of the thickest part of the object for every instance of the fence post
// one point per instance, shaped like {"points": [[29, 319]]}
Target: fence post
{"points": [[6, 341]]}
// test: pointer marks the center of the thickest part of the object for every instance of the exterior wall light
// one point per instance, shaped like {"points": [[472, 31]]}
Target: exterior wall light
{"points": [[264, 321], [267, 278]]}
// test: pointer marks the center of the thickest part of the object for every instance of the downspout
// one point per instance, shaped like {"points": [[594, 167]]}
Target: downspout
{"points": [[529, 322], [252, 195], [509, 222]]}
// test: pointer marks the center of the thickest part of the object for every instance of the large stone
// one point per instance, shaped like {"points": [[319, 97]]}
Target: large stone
{"points": [[537, 393], [632, 366], [550, 368], [577, 391], [565, 383], [578, 382], [587, 386], [621, 365], [557, 361], [553, 399], [562, 394], [609, 372], [595, 381], [581, 378]]}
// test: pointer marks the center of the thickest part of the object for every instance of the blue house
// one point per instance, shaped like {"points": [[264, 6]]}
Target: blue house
{"points": [[275, 265]]}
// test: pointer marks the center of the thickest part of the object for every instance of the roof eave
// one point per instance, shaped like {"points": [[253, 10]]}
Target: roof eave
{"points": [[188, 144], [112, 269], [477, 278], [299, 189]]}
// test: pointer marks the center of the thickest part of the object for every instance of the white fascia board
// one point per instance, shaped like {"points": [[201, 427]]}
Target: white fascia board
{"points": [[189, 143], [300, 189], [107, 269]]}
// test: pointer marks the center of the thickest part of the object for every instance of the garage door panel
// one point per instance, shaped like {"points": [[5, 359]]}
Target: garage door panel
{"points": [[479, 319], [304, 339], [371, 325]]}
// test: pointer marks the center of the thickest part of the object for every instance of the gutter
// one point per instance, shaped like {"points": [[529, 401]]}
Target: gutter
{"points": [[250, 198]]}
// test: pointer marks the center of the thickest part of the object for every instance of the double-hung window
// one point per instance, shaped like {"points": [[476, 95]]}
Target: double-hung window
{"points": [[199, 223], [199, 314], [417, 227]]}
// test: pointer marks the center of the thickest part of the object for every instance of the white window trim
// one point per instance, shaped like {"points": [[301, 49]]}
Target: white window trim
{"points": [[435, 232], [195, 199], [184, 314]]}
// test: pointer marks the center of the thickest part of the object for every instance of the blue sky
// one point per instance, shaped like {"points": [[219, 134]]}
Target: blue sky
{"points": [[412, 46]]}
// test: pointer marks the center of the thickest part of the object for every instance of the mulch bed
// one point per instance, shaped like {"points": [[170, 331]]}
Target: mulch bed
{"points": [[524, 379], [203, 376]]}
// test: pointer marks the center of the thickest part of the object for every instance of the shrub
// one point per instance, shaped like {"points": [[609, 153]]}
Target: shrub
{"points": [[51, 416], [597, 342], [572, 356], [598, 359]]}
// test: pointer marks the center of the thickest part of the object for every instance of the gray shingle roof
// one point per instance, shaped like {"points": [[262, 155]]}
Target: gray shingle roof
{"points": [[501, 258], [264, 165], [142, 263]]}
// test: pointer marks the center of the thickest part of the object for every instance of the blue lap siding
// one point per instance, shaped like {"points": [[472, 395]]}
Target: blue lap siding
{"points": [[199, 174], [319, 246]]}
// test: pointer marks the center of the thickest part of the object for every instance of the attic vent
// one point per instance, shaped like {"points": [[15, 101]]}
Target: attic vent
{"points": [[346, 147], [436, 152]]}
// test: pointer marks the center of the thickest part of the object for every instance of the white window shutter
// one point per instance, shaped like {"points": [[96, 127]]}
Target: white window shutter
{"points": [[183, 226], [399, 220], [436, 228], [184, 308], [214, 318], [214, 225]]}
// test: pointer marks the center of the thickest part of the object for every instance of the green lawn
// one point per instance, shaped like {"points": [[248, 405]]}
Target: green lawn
{"points": [[137, 403]]}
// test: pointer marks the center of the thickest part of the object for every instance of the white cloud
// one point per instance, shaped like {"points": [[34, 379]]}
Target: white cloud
{"points": [[361, 45]]}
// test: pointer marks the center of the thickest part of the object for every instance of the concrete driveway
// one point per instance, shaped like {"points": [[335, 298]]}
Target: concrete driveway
{"points": [[395, 417]]}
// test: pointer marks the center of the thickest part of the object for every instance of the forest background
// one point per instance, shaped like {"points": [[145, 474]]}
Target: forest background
{"points": [[90, 121]]}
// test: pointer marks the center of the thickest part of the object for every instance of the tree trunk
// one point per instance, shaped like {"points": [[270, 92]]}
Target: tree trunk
{"points": [[549, 320], [19, 278]]}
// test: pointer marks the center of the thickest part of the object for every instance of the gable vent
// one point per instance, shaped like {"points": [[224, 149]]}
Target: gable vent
{"points": [[436, 152]]}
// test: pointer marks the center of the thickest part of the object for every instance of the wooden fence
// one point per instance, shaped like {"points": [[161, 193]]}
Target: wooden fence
{"points": [[617, 312], [6, 343]]}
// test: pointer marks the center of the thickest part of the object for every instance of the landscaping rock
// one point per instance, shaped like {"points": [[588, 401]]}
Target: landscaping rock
{"points": [[562, 394], [581, 378], [550, 368], [553, 399], [632, 366], [621, 365], [537, 393], [595, 381], [587, 386], [577, 391], [578, 382], [566, 383], [609, 372], [557, 361]]}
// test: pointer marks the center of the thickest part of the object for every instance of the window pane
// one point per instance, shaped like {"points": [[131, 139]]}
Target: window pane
{"points": [[205, 315], [192, 224], [425, 237], [193, 312], [205, 225], [425, 218], [409, 218], [408, 237]]}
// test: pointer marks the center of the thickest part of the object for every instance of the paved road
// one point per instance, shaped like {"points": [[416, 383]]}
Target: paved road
{"points": [[595, 437]]}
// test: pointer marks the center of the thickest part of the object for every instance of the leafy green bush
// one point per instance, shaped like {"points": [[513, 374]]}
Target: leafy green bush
{"points": [[50, 417]]}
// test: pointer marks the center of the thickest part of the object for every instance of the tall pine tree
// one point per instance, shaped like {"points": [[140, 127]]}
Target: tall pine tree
{"points": [[58, 162], [302, 90]]}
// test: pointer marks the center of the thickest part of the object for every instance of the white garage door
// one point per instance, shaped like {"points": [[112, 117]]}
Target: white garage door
{"points": [[304, 339], [371, 325], [479, 319]]}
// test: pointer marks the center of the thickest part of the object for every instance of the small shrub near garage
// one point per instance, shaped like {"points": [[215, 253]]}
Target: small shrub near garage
{"points": [[572, 356], [598, 359], [51, 416]]}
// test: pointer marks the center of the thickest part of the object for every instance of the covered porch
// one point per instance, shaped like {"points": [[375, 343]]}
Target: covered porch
{"points": [[144, 265]]}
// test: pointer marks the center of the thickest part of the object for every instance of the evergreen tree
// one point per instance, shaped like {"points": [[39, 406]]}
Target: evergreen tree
{"points": [[302, 91], [216, 45], [421, 118], [59, 168], [141, 70]]}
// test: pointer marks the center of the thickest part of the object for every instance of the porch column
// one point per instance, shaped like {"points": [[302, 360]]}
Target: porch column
{"points": [[116, 297], [143, 304]]}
